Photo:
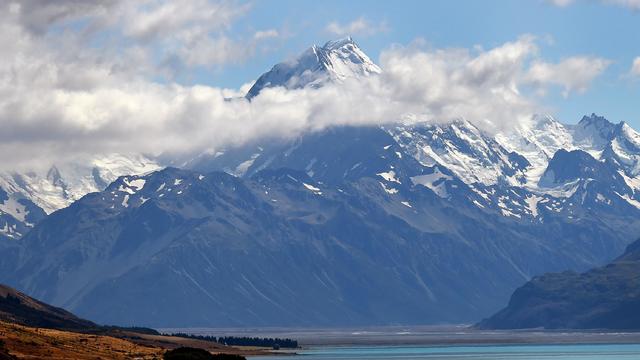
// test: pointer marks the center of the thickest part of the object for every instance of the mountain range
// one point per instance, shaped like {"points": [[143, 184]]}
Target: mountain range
{"points": [[27, 197], [401, 223]]}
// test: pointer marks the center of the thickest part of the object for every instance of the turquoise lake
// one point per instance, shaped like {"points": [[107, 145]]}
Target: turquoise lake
{"points": [[523, 352]]}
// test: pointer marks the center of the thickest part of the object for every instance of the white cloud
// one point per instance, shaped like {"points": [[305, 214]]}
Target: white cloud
{"points": [[572, 74], [61, 98], [166, 37], [635, 67], [561, 3], [358, 27], [265, 34], [181, 20]]}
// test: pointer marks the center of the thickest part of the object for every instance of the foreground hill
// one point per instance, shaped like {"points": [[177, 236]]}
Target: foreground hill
{"points": [[23, 342], [31, 329], [16, 307], [603, 298]]}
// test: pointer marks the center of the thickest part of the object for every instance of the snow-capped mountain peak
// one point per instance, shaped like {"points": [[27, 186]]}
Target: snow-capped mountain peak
{"points": [[340, 43], [334, 61], [343, 59], [597, 122], [61, 185], [594, 132]]}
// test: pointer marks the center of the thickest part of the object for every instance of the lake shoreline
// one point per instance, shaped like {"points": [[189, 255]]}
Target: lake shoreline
{"points": [[423, 335]]}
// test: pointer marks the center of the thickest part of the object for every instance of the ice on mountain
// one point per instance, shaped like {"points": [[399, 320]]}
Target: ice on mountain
{"points": [[14, 208], [126, 189], [434, 181], [136, 184], [389, 190], [532, 204], [478, 204], [242, 168], [312, 188], [389, 176], [631, 201]]}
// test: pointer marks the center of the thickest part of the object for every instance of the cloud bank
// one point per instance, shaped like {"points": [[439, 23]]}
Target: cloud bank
{"points": [[68, 91], [572, 74], [635, 67]]}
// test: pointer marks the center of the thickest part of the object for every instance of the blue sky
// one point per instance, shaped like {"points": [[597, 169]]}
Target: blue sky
{"points": [[582, 28]]}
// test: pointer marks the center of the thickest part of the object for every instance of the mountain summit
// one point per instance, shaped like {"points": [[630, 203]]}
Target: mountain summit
{"points": [[334, 61]]}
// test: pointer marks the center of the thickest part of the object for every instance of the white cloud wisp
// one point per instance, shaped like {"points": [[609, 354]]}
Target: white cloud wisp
{"points": [[358, 27]]}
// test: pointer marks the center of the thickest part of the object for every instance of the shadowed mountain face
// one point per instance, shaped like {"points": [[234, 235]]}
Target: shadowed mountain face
{"points": [[569, 166], [16, 307], [607, 298]]}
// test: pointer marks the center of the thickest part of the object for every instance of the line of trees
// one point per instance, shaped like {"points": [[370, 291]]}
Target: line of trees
{"points": [[275, 343], [187, 353]]}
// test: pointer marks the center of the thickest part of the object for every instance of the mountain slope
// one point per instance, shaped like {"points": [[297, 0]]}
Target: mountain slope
{"points": [[18, 308], [607, 297]]}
